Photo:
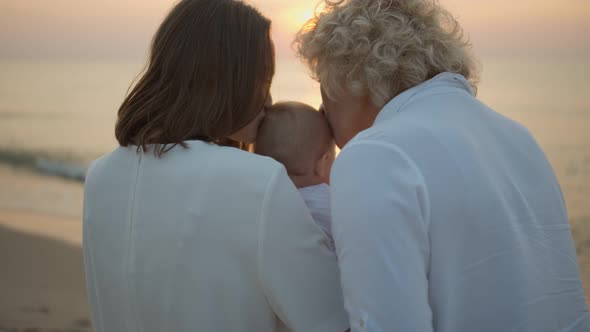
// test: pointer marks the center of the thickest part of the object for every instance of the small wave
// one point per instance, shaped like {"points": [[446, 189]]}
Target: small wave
{"points": [[45, 164], [66, 171]]}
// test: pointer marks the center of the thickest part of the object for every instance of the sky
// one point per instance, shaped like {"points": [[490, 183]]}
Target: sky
{"points": [[122, 29]]}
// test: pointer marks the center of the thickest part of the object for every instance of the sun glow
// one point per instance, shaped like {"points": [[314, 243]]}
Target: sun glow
{"points": [[295, 18]]}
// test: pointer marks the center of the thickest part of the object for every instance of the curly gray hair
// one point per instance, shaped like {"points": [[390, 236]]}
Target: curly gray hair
{"points": [[380, 48]]}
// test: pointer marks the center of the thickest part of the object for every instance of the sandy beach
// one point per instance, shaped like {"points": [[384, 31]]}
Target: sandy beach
{"points": [[42, 282], [41, 262], [67, 67]]}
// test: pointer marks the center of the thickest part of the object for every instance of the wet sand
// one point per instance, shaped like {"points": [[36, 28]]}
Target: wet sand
{"points": [[41, 281]]}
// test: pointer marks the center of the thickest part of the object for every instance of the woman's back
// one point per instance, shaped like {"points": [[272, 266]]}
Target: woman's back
{"points": [[483, 214], [177, 244]]}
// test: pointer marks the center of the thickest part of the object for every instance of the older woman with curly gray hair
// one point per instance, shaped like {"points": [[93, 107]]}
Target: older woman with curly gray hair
{"points": [[446, 215]]}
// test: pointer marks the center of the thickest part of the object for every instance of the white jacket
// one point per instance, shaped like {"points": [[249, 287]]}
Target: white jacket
{"points": [[447, 217], [205, 239]]}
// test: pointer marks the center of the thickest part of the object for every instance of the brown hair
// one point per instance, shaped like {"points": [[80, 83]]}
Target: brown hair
{"points": [[208, 75]]}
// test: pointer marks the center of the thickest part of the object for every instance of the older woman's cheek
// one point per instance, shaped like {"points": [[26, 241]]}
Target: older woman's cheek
{"points": [[342, 134]]}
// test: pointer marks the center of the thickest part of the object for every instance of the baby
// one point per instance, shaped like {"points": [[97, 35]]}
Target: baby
{"points": [[300, 138]]}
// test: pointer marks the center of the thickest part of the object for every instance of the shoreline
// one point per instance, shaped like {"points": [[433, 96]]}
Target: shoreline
{"points": [[24, 191]]}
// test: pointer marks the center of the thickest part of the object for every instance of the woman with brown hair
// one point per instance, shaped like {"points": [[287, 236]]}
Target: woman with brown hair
{"points": [[184, 234]]}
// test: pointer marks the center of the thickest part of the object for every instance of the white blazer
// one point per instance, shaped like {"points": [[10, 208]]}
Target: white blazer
{"points": [[447, 217], [207, 238]]}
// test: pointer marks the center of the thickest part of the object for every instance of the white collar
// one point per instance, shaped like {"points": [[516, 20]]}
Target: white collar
{"points": [[439, 83]]}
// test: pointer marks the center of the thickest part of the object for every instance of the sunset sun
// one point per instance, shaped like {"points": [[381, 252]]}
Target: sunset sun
{"points": [[295, 18]]}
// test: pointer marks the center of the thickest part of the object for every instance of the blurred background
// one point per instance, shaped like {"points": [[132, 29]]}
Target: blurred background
{"points": [[65, 66]]}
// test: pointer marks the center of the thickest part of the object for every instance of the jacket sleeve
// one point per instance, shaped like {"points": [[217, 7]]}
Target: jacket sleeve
{"points": [[380, 226], [298, 273]]}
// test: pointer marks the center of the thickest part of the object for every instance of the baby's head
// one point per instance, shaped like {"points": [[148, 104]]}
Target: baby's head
{"points": [[300, 138]]}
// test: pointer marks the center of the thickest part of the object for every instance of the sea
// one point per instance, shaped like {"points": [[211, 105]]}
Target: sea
{"points": [[57, 116]]}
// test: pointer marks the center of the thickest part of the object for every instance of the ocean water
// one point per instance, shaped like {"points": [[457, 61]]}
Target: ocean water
{"points": [[55, 117]]}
